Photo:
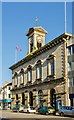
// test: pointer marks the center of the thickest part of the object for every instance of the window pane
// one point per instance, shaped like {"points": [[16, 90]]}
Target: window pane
{"points": [[69, 66], [16, 80], [22, 78], [70, 82], [52, 67], [40, 71], [73, 49], [30, 75], [69, 50], [73, 81]]}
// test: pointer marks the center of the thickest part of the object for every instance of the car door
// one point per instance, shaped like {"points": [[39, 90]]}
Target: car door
{"points": [[73, 112], [65, 110], [69, 110]]}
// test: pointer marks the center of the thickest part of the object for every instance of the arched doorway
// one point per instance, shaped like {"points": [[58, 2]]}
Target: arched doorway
{"points": [[31, 98], [40, 98], [53, 98]]}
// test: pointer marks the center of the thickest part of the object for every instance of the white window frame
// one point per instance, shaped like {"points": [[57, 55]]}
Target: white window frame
{"points": [[49, 69]]}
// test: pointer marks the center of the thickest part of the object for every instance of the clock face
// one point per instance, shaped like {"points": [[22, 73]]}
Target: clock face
{"points": [[39, 38]]}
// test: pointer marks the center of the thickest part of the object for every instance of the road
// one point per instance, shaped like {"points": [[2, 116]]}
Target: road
{"points": [[9, 115]]}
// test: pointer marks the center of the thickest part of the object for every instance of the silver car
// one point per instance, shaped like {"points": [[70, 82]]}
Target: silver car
{"points": [[66, 110]]}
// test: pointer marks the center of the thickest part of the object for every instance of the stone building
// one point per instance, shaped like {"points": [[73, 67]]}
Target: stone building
{"points": [[5, 96], [43, 76]]}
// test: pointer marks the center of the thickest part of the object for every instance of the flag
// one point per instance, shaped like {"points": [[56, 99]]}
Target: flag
{"points": [[36, 19], [18, 49]]}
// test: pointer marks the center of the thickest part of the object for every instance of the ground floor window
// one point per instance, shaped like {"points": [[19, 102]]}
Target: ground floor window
{"points": [[31, 98], [53, 98], [23, 99]]}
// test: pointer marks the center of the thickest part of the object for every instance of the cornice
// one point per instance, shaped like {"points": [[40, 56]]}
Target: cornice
{"points": [[43, 49]]}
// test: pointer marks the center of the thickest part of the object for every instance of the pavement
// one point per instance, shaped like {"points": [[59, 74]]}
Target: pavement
{"points": [[9, 115]]}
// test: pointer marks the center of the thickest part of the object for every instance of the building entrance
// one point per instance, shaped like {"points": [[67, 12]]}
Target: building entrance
{"points": [[53, 98], [40, 98]]}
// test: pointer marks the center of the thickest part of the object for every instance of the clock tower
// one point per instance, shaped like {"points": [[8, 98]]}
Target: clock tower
{"points": [[36, 38]]}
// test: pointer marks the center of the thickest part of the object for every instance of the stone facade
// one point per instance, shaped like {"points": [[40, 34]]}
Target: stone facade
{"points": [[41, 78], [5, 96]]}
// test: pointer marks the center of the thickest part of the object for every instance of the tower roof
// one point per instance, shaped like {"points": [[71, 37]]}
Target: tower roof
{"points": [[39, 28]]}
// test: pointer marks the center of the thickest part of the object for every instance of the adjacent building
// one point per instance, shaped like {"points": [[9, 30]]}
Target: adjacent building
{"points": [[46, 75], [5, 96]]}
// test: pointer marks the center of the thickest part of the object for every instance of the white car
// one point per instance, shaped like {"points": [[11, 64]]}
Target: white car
{"points": [[29, 109], [66, 110]]}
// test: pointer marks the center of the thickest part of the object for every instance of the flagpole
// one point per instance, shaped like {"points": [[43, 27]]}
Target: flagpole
{"points": [[65, 16]]}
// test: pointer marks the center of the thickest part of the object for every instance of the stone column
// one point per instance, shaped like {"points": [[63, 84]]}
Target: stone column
{"points": [[48, 97]]}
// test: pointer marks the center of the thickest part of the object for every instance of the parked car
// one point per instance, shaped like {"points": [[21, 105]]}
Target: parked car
{"points": [[29, 109], [46, 110], [66, 110], [15, 109], [18, 108]]}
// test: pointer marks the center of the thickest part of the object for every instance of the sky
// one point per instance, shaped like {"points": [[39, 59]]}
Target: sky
{"points": [[18, 17]]}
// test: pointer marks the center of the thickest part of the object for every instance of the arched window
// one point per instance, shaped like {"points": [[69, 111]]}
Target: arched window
{"points": [[50, 66], [53, 98], [15, 79], [39, 69], [29, 75], [40, 98], [21, 76]]}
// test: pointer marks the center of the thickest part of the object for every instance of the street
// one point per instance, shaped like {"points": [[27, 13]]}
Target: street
{"points": [[9, 115]]}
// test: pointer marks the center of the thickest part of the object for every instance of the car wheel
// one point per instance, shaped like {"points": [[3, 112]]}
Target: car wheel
{"points": [[54, 113], [62, 114], [47, 113], [27, 111]]}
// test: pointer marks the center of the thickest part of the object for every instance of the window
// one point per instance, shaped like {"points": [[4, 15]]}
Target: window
{"points": [[39, 70], [69, 67], [16, 96], [39, 45], [71, 82], [22, 76], [71, 50], [9, 88], [16, 80], [9, 95], [29, 73], [31, 47], [50, 66], [22, 79], [31, 44], [23, 99]]}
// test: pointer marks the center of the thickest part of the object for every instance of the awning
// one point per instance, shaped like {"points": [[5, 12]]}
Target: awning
{"points": [[6, 101]]}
